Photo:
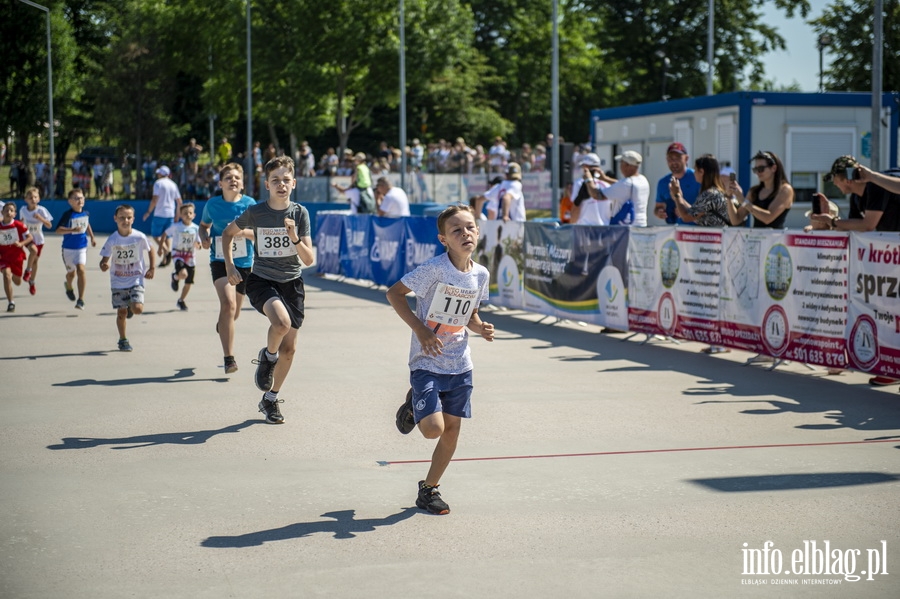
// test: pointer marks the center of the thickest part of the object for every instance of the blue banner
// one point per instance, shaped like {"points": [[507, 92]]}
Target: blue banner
{"points": [[355, 244], [330, 228], [421, 241], [387, 249]]}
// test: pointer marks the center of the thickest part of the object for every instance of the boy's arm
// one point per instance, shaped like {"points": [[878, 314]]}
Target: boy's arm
{"points": [[203, 232], [152, 262], [104, 263], [90, 233], [234, 276], [476, 325], [430, 342]]}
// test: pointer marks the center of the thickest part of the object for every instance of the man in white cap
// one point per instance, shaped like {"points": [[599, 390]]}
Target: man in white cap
{"points": [[164, 205], [629, 195], [588, 209]]}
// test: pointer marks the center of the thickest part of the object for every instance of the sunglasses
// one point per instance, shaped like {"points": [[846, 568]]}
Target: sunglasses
{"points": [[759, 169]]}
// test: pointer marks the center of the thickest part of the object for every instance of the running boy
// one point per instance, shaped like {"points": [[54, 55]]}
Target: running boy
{"points": [[185, 237], [14, 236], [275, 285], [76, 228], [218, 213], [448, 290], [34, 217], [125, 249]]}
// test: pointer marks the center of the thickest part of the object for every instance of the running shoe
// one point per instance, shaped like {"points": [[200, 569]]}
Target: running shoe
{"points": [[79, 305], [405, 419], [124, 345], [230, 365], [31, 288], [181, 305], [27, 276], [265, 371], [11, 307], [430, 499], [174, 282], [70, 293], [270, 409]]}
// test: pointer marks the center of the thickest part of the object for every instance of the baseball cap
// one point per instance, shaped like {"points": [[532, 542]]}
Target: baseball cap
{"points": [[676, 147], [630, 157], [590, 160], [164, 171], [840, 166], [514, 170]]}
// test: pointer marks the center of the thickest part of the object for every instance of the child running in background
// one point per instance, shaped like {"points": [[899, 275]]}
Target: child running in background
{"points": [[14, 236], [76, 228], [185, 237], [448, 291], [125, 249], [35, 217], [275, 285]]}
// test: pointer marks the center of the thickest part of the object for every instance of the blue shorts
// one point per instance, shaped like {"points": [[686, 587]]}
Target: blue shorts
{"points": [[448, 393], [159, 224]]}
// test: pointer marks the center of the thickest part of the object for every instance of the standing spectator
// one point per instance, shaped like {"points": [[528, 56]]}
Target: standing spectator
{"points": [[126, 177], [416, 154], [629, 195], [164, 205], [392, 201], [13, 177], [540, 158], [709, 210], [306, 162], [512, 200], [107, 179], [589, 206], [223, 152], [768, 202], [677, 160], [191, 159], [526, 158], [98, 177], [498, 155], [479, 160]]}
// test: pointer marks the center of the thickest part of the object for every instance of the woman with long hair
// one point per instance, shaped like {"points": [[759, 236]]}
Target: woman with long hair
{"points": [[769, 201], [710, 209]]}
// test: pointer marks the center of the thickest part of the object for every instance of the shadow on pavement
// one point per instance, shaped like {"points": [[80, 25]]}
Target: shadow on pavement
{"points": [[138, 441], [97, 352], [343, 526], [183, 375], [789, 482]]}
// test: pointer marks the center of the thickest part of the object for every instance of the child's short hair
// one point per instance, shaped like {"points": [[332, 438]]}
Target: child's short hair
{"points": [[32, 190], [450, 211], [121, 207], [232, 166], [279, 162], [74, 191], [186, 205]]}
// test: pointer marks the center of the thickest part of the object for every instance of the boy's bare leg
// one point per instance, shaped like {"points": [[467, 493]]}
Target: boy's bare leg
{"points": [[7, 284], [446, 428], [82, 281], [229, 309], [280, 336], [286, 352], [121, 315]]}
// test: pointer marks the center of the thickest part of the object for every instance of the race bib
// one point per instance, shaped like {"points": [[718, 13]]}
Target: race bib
{"points": [[35, 229], [79, 225], [125, 254], [274, 243], [452, 305], [238, 248], [8, 236], [185, 242]]}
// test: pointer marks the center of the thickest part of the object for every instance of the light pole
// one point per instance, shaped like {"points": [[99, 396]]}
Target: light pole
{"points": [[251, 168], [823, 42], [52, 165], [402, 96]]}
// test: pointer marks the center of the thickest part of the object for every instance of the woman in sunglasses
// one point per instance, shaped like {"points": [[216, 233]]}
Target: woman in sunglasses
{"points": [[769, 201]]}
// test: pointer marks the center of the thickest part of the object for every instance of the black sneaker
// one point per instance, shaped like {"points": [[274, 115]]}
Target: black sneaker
{"points": [[79, 305], [181, 305], [11, 307], [430, 499], [270, 409], [405, 420], [124, 345], [174, 282], [265, 371], [230, 365], [70, 293]]}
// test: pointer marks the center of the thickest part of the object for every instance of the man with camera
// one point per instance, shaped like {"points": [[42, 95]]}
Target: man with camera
{"points": [[873, 208]]}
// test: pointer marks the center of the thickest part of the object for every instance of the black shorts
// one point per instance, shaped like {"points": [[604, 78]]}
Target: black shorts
{"points": [[180, 265], [292, 294], [218, 272]]}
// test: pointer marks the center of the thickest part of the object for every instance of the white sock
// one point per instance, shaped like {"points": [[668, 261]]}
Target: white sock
{"points": [[271, 357]]}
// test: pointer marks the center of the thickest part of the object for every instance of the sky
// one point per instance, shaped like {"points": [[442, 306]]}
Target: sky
{"points": [[800, 62]]}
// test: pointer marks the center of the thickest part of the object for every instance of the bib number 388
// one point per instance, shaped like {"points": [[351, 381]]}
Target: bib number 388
{"points": [[274, 243]]}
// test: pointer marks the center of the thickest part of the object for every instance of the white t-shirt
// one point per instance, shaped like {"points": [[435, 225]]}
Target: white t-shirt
{"points": [[127, 259], [517, 202], [446, 298], [395, 203], [591, 211], [35, 227], [493, 200], [167, 194], [635, 188], [184, 239]]}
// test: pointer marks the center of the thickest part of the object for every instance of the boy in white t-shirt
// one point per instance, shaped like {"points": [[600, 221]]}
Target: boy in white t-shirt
{"points": [[35, 217], [123, 256], [448, 291], [185, 236]]}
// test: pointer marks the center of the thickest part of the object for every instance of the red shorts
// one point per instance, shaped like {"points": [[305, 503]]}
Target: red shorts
{"points": [[40, 248], [13, 260]]}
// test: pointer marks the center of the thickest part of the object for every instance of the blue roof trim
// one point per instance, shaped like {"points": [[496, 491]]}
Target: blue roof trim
{"points": [[740, 99]]}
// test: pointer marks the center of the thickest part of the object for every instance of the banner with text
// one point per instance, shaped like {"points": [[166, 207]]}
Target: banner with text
{"points": [[500, 251]]}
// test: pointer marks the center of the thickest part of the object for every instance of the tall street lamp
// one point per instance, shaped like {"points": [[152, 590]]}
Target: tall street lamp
{"points": [[823, 42], [251, 167], [52, 164]]}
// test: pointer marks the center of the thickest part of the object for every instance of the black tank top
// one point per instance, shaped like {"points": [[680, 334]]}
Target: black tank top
{"points": [[778, 223]]}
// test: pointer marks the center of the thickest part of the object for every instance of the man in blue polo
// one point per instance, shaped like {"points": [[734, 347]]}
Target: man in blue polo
{"points": [[677, 161]]}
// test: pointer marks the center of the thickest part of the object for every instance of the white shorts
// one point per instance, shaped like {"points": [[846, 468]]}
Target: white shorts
{"points": [[71, 258]]}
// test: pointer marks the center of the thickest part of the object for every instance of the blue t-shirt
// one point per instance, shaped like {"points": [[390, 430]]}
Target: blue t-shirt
{"points": [[220, 214], [689, 189], [74, 220]]}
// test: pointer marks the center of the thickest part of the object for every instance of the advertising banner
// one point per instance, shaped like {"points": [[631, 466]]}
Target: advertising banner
{"points": [[387, 249], [873, 331], [576, 273], [421, 241], [355, 247], [329, 230], [500, 251]]}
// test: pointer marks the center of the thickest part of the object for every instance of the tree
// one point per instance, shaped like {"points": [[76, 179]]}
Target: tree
{"points": [[849, 23]]}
